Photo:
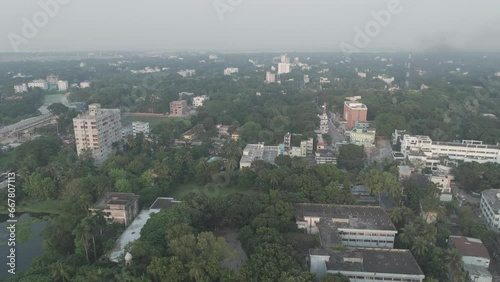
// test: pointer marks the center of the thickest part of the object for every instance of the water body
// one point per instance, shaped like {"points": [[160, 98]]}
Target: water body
{"points": [[26, 251]]}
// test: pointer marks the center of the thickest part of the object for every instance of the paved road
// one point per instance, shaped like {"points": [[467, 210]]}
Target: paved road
{"points": [[462, 195], [335, 133]]}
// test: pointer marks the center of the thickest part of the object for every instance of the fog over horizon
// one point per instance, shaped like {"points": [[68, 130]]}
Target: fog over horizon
{"points": [[250, 25]]}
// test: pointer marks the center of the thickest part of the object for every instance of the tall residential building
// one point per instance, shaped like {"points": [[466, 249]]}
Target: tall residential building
{"points": [[178, 108], [140, 127], [270, 77], [306, 79], [230, 71], [490, 208], [287, 141], [283, 68], [354, 112], [62, 85], [96, 131], [285, 59]]}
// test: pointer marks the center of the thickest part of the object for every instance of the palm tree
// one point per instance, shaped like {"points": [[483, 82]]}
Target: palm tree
{"points": [[453, 261], [274, 179], [59, 272], [407, 234], [197, 271], [396, 215], [419, 247], [81, 236]]}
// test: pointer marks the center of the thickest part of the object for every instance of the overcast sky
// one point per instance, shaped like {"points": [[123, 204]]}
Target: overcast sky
{"points": [[249, 25]]}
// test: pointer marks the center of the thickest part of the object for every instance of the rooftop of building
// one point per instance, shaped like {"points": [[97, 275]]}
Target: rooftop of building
{"points": [[470, 246], [115, 198], [254, 152], [492, 196], [325, 153], [353, 217], [476, 270], [355, 105], [404, 169], [389, 261], [467, 145], [163, 203]]}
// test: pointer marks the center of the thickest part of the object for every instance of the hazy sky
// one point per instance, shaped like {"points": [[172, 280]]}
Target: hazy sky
{"points": [[248, 25]]}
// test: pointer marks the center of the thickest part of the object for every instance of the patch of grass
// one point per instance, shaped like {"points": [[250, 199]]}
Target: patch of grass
{"points": [[153, 121], [211, 190], [23, 229], [48, 206], [5, 160], [53, 98]]}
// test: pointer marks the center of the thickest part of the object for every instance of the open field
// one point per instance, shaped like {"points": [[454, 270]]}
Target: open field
{"points": [[211, 190], [49, 206], [53, 98], [153, 121]]}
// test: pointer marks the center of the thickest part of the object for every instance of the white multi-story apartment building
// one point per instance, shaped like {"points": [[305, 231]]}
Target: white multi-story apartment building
{"points": [[198, 101], [284, 68], [39, 83], [230, 71], [353, 226], [84, 84], [21, 88], [270, 77], [490, 208], [140, 127], [419, 148], [96, 131], [62, 85]]}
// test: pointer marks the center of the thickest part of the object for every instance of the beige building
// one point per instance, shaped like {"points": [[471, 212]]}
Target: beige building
{"points": [[178, 108], [96, 131], [118, 207]]}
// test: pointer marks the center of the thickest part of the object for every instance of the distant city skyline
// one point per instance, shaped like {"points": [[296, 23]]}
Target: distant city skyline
{"points": [[243, 26]]}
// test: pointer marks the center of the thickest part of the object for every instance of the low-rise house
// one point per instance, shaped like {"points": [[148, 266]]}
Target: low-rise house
{"points": [[118, 207], [404, 172], [475, 257], [325, 156]]}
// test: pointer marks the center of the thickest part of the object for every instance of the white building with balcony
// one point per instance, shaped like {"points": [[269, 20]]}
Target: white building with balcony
{"points": [[490, 208], [420, 148], [198, 101], [140, 127], [40, 83]]}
